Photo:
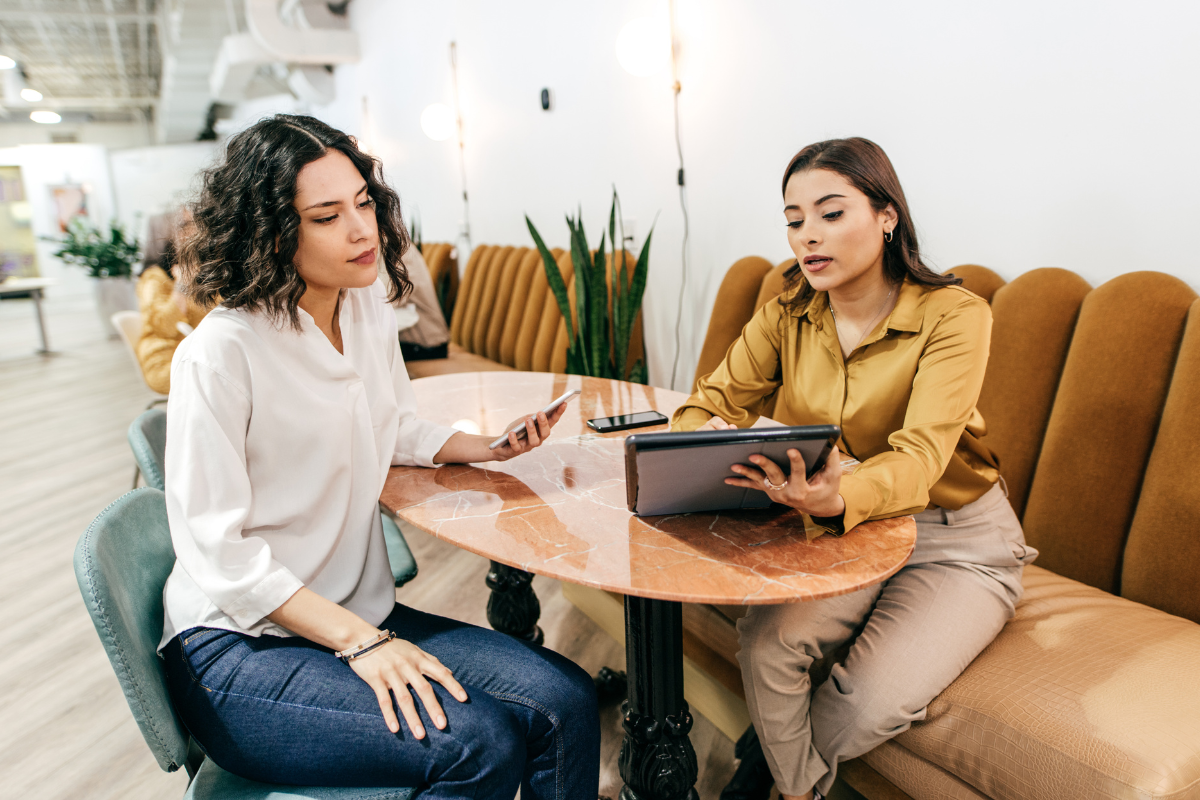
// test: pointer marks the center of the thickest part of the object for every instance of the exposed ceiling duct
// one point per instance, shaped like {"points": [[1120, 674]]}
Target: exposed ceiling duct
{"points": [[298, 38]]}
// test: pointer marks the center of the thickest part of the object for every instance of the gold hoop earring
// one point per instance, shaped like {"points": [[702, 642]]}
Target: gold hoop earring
{"points": [[887, 237]]}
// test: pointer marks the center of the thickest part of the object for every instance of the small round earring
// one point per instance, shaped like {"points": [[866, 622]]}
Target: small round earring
{"points": [[887, 237]]}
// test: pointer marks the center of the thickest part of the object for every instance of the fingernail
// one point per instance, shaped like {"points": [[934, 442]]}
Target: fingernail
{"points": [[441, 722], [419, 733]]}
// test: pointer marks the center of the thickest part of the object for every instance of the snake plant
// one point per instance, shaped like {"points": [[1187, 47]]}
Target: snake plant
{"points": [[607, 299]]}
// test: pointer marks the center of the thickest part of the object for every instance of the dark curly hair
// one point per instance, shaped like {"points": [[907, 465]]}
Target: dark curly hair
{"points": [[864, 164], [245, 239]]}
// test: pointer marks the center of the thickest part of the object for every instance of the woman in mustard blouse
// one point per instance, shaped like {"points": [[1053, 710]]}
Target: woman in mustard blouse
{"points": [[166, 313], [867, 337]]}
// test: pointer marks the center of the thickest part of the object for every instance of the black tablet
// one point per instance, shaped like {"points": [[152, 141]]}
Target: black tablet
{"points": [[677, 473]]}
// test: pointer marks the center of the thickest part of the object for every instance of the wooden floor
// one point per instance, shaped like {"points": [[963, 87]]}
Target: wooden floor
{"points": [[65, 731]]}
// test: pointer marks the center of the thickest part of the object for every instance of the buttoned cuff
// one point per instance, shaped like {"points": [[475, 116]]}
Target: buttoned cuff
{"points": [[819, 526], [269, 594], [859, 496], [689, 418]]}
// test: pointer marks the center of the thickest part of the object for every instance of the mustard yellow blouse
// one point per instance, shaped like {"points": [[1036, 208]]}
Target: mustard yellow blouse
{"points": [[160, 332], [905, 398]]}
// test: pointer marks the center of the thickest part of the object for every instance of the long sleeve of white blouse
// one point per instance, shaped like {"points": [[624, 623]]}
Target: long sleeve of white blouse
{"points": [[208, 510], [277, 450]]}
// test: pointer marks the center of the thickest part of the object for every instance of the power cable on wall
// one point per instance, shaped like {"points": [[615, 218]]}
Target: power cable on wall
{"points": [[682, 198], [465, 233]]}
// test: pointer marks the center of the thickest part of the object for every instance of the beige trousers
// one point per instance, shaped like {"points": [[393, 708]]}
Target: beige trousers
{"points": [[827, 681]]}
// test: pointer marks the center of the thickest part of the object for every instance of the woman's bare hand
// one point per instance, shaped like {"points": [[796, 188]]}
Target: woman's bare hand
{"points": [[717, 424], [537, 430], [390, 671], [817, 496]]}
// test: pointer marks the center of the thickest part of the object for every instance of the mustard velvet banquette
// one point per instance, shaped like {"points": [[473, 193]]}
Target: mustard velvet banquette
{"points": [[1092, 401], [505, 316]]}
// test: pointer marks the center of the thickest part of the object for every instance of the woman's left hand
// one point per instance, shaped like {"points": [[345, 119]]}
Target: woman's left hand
{"points": [[816, 497], [537, 430]]}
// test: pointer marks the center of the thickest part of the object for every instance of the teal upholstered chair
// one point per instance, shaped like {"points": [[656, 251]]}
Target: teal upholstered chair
{"points": [[148, 439], [121, 563]]}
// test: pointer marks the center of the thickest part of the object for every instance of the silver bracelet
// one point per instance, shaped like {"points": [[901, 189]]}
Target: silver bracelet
{"points": [[351, 653]]}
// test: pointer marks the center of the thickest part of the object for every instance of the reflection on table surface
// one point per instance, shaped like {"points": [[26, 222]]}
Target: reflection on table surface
{"points": [[561, 510]]}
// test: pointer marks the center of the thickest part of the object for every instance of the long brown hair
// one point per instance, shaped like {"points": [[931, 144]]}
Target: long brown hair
{"points": [[868, 169]]}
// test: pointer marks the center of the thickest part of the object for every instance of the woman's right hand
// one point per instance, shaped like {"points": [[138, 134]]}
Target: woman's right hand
{"points": [[391, 669], [716, 424]]}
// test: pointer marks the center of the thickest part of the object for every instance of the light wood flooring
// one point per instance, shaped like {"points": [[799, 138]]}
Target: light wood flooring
{"points": [[65, 731]]}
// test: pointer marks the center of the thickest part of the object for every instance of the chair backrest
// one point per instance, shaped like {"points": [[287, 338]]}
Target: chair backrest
{"points": [[148, 439], [129, 325], [121, 563]]}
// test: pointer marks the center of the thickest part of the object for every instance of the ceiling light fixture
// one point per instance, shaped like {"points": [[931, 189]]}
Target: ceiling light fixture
{"points": [[45, 117], [644, 46], [7, 63], [31, 95]]}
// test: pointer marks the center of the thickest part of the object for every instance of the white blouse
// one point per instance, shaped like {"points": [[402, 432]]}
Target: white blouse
{"points": [[277, 450]]}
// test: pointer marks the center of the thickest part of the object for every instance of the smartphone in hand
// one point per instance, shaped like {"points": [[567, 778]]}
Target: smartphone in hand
{"points": [[548, 410]]}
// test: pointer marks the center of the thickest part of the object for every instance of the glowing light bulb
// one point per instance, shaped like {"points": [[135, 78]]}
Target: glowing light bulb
{"points": [[45, 117], [437, 120], [644, 46], [7, 63], [31, 95]]}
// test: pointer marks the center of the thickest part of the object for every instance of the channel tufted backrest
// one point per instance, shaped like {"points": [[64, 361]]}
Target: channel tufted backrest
{"points": [[1162, 556], [513, 301], [534, 306], [1102, 427], [1033, 319], [734, 306]]}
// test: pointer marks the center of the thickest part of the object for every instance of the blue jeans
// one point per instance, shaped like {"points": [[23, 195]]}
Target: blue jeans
{"points": [[285, 710]]}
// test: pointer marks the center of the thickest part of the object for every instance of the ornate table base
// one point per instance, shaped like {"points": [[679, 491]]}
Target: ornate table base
{"points": [[657, 760], [513, 607]]}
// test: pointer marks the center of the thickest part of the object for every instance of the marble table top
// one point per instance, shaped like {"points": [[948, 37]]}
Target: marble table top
{"points": [[560, 510]]}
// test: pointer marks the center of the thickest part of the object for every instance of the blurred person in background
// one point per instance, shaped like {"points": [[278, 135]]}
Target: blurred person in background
{"points": [[429, 335], [167, 315]]}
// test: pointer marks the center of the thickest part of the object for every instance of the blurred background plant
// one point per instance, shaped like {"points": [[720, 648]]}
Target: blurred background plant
{"points": [[608, 298], [103, 255]]}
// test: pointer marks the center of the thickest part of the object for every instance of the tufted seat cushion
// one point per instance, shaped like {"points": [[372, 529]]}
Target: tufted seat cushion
{"points": [[1083, 694]]}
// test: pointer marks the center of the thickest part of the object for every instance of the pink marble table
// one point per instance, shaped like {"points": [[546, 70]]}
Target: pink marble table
{"points": [[560, 510]]}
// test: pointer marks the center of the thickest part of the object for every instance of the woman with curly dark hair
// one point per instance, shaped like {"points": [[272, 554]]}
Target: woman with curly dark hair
{"points": [[288, 657]]}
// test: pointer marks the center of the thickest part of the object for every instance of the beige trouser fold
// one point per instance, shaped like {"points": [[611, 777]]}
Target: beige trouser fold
{"points": [[877, 657]]}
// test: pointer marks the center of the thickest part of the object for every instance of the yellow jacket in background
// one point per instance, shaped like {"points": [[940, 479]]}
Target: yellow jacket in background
{"points": [[160, 326]]}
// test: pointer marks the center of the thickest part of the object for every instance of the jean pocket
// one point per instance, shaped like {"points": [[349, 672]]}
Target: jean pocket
{"points": [[211, 655]]}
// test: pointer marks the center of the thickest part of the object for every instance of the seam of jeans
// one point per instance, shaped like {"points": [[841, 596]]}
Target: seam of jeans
{"points": [[474, 756], [555, 722]]}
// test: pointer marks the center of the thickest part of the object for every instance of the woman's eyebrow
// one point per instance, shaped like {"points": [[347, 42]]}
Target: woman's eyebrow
{"points": [[334, 202], [829, 197]]}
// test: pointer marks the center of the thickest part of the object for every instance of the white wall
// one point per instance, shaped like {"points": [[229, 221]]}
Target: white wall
{"points": [[150, 180], [1026, 134], [44, 166]]}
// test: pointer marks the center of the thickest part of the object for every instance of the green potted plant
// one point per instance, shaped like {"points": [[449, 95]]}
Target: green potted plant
{"points": [[607, 300], [109, 259]]}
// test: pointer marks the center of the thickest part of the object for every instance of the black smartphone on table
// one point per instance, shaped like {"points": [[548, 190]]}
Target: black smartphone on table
{"points": [[623, 422]]}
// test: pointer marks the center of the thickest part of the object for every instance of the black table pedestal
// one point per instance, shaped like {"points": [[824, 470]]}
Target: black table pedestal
{"points": [[513, 607], [657, 761]]}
